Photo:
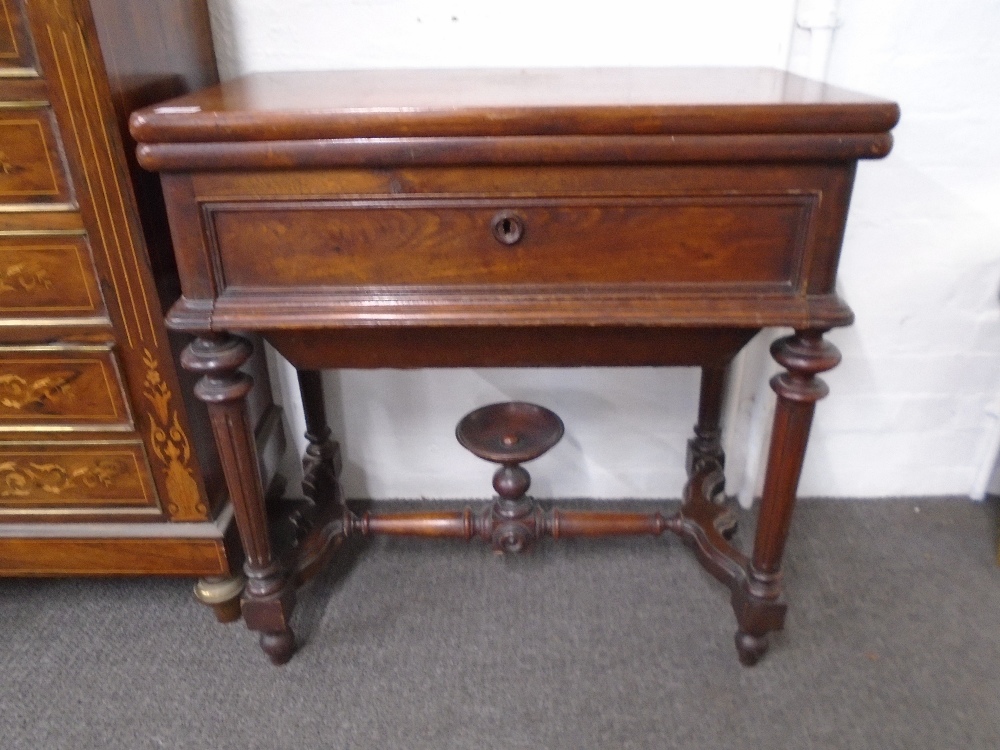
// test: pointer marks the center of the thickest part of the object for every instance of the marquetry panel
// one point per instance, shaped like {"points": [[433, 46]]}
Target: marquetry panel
{"points": [[16, 57], [32, 169], [102, 476], [53, 387], [47, 275]]}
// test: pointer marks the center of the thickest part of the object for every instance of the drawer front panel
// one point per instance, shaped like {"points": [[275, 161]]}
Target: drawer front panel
{"points": [[46, 276], [718, 241], [74, 476], [15, 47], [32, 169], [73, 388]]}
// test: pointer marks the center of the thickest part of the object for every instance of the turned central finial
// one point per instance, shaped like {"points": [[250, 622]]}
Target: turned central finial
{"points": [[510, 434]]}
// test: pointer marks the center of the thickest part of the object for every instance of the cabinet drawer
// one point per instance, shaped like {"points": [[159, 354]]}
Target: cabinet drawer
{"points": [[32, 169], [62, 477], [47, 275], [44, 388], [753, 242], [15, 47]]}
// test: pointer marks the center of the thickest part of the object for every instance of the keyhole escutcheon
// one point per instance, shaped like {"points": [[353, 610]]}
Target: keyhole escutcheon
{"points": [[507, 227]]}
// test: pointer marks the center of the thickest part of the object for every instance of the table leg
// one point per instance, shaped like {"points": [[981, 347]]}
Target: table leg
{"points": [[321, 464], [269, 596], [706, 445], [758, 601], [704, 450]]}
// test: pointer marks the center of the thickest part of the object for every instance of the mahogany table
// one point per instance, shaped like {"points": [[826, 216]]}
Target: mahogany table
{"points": [[511, 218]]}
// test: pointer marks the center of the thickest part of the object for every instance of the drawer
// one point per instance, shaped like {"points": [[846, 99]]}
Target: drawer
{"points": [[32, 169], [755, 243], [47, 275], [72, 388], [16, 55], [104, 477]]}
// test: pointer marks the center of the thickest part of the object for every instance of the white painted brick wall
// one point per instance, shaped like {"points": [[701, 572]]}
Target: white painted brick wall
{"points": [[908, 412], [921, 263]]}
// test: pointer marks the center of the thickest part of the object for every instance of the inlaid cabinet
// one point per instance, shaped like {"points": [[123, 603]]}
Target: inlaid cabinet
{"points": [[104, 466]]}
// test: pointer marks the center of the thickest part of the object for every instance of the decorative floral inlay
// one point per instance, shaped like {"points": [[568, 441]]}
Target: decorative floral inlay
{"points": [[7, 166], [171, 446], [17, 392], [27, 276], [21, 479]]}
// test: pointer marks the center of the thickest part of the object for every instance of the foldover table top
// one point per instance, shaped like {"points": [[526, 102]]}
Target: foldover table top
{"points": [[588, 101]]}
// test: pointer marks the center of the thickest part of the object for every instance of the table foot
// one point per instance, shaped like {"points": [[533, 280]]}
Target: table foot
{"points": [[267, 608], [750, 647], [756, 615], [279, 647]]}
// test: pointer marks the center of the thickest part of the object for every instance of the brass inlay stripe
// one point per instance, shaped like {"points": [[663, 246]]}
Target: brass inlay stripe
{"points": [[67, 428], [124, 219], [213, 529], [77, 510], [18, 73], [24, 103], [86, 175], [18, 348], [71, 452], [43, 233], [21, 444], [8, 322], [35, 208], [48, 160]]}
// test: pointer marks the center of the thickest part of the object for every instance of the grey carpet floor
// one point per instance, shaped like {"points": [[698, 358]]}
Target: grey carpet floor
{"points": [[892, 641]]}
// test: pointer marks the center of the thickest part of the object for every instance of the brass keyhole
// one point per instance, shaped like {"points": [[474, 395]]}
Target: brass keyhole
{"points": [[507, 227]]}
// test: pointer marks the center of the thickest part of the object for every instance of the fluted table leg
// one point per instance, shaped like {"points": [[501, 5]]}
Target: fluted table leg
{"points": [[758, 602], [269, 596]]}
